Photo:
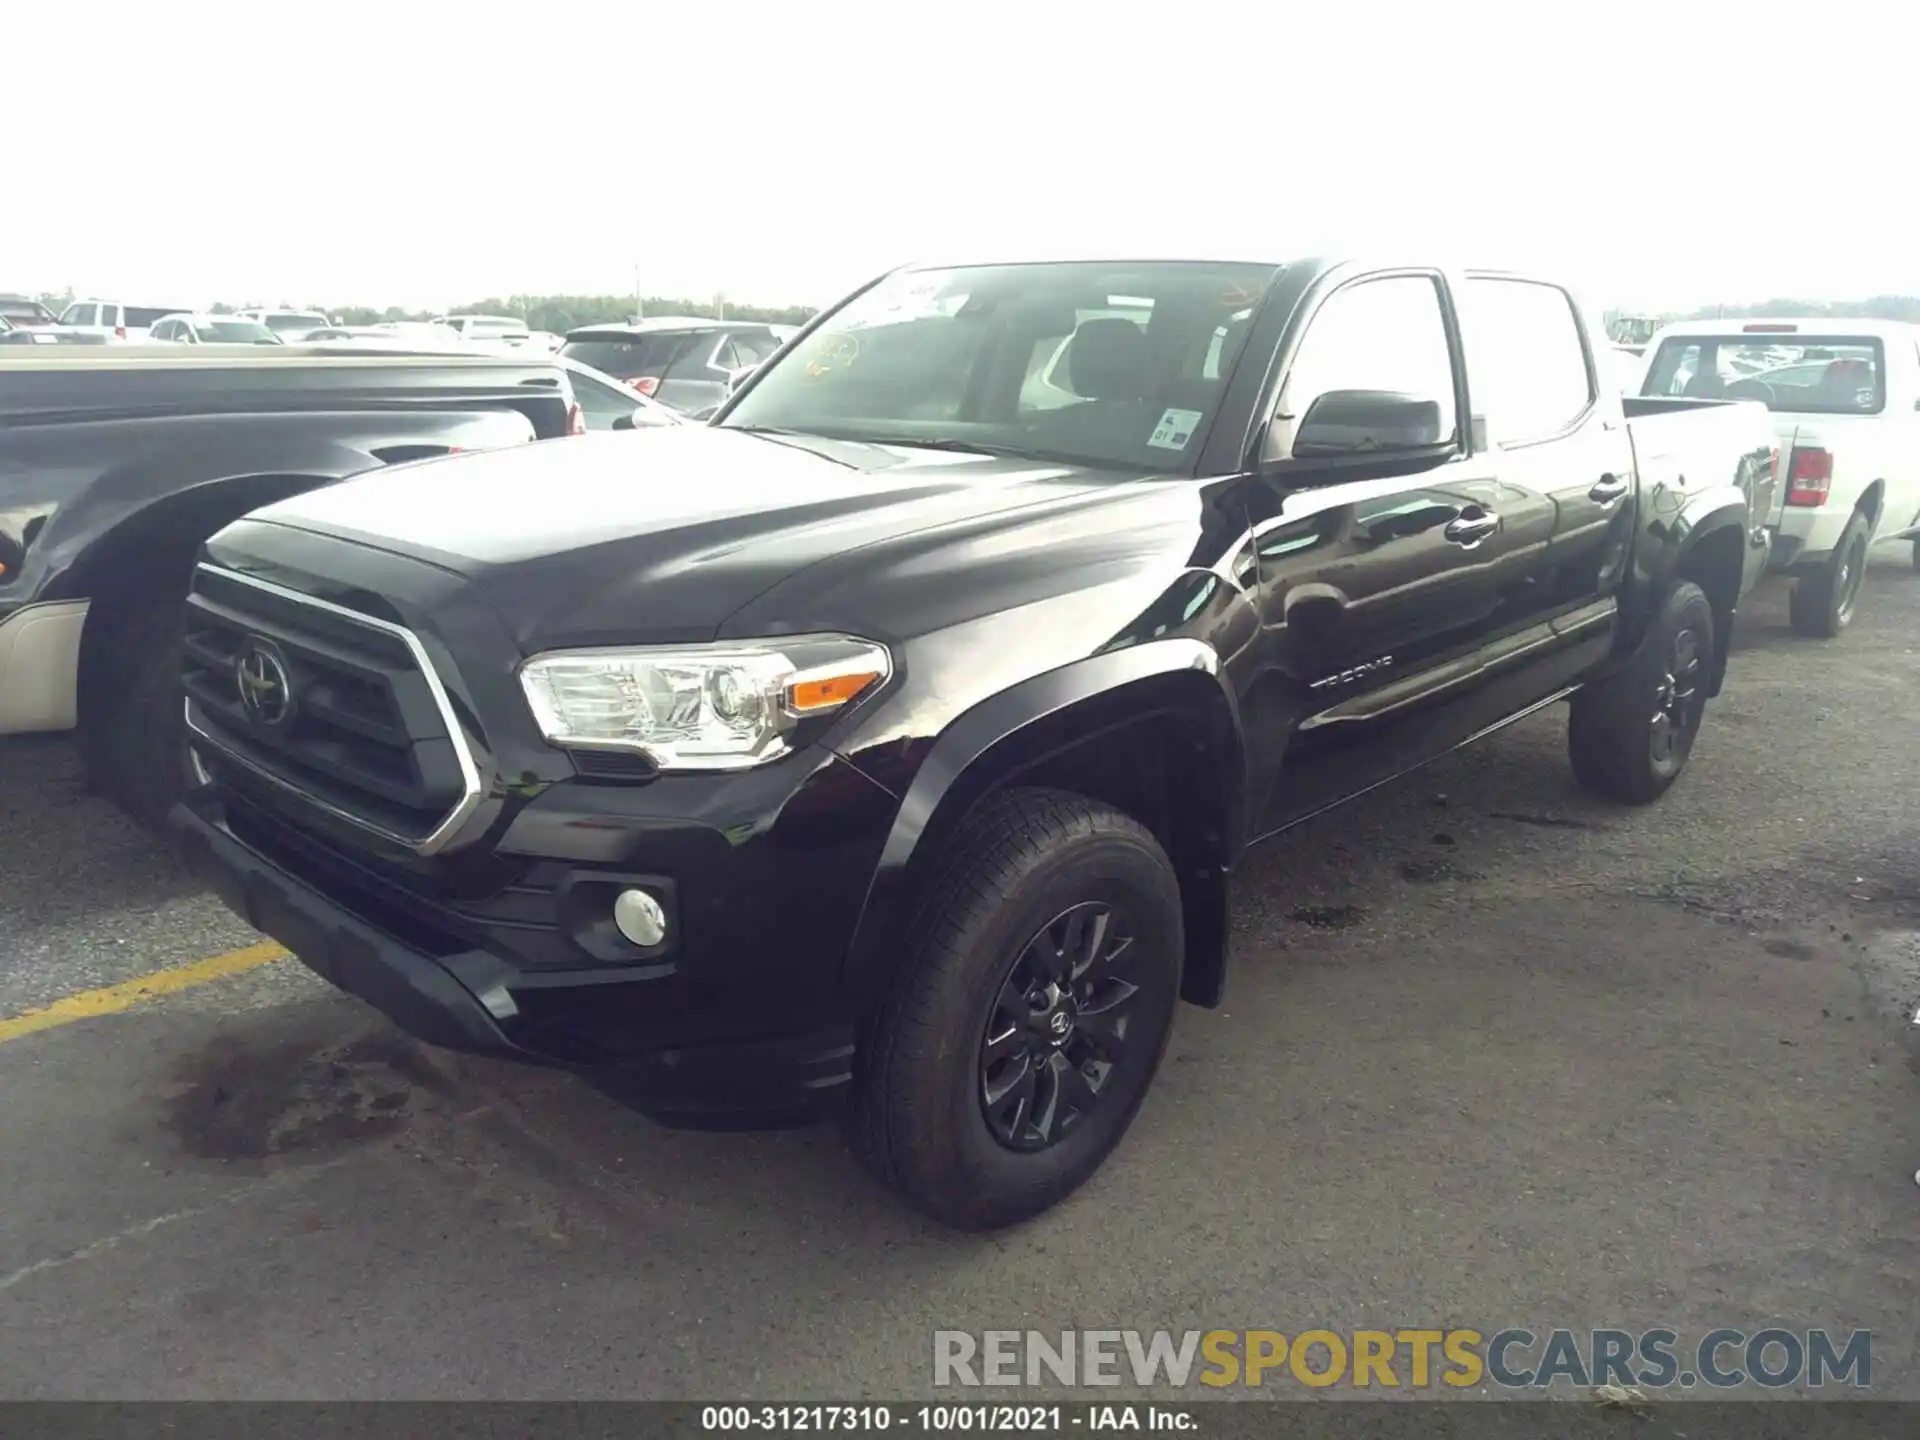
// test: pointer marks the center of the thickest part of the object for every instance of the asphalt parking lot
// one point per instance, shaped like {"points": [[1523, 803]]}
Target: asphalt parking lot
{"points": [[1494, 1054]]}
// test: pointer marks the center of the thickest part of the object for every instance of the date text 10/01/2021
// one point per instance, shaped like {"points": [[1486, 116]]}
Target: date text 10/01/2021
{"points": [[1042, 1419]]}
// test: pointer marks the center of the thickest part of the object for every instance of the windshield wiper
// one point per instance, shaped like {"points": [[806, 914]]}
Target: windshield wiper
{"points": [[956, 445], [953, 444]]}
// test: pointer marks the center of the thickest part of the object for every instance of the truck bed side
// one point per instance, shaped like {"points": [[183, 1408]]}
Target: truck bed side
{"points": [[1688, 445]]}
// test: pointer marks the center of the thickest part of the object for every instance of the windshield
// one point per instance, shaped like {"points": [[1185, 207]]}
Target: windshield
{"points": [[234, 332], [1110, 363], [1791, 373]]}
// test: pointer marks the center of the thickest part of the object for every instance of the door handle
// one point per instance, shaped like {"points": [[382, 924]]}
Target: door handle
{"points": [[1608, 489], [1470, 530]]}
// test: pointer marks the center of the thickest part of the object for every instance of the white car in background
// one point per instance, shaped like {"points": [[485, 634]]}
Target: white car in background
{"points": [[289, 325], [421, 332], [498, 329], [192, 329], [113, 320], [1845, 401], [363, 333]]}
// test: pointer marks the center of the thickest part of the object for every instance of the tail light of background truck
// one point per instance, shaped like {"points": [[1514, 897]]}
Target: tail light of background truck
{"points": [[645, 384], [1809, 475], [576, 419]]}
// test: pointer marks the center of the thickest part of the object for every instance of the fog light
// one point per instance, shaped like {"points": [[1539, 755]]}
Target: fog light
{"points": [[640, 918]]}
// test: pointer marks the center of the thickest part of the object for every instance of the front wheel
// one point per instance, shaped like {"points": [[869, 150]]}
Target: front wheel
{"points": [[1631, 734], [1030, 1013], [1823, 603]]}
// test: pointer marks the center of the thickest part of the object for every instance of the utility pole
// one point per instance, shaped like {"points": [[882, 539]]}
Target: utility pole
{"points": [[639, 308]]}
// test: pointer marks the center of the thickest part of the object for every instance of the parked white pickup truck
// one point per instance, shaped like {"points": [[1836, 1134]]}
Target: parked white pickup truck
{"points": [[1845, 397]]}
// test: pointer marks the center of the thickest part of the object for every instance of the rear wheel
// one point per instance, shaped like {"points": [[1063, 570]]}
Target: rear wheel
{"points": [[1029, 1015], [1823, 603], [132, 730], [1631, 734]]}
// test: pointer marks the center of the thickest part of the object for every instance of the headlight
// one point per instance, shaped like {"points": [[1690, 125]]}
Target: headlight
{"points": [[699, 707]]}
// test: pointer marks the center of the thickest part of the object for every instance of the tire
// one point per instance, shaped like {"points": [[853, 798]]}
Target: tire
{"points": [[1027, 867], [1824, 603], [132, 731], [1631, 734]]}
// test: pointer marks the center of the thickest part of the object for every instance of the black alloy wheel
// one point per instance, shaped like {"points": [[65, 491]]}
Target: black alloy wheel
{"points": [[1679, 703], [1059, 1027], [1025, 1020], [1631, 732]]}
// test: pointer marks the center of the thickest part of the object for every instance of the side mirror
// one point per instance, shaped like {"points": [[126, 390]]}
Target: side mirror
{"points": [[737, 378], [1364, 422], [629, 422]]}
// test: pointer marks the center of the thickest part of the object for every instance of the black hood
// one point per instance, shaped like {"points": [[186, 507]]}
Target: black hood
{"points": [[661, 535]]}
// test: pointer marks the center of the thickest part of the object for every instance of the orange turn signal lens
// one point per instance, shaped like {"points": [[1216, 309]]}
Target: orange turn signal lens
{"points": [[807, 697]]}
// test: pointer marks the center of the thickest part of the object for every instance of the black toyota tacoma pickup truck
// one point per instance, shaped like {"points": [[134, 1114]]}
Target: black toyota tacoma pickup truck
{"points": [[117, 463], [893, 738]]}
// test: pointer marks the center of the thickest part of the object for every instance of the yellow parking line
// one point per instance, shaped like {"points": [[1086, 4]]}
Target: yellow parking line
{"points": [[111, 999]]}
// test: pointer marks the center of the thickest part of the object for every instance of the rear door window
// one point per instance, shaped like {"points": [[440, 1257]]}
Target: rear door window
{"points": [[1526, 358]]}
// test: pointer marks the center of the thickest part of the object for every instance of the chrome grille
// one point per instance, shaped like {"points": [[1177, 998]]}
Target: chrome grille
{"points": [[341, 708]]}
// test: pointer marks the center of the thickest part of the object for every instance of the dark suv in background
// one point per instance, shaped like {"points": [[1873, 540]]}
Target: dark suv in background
{"points": [[682, 361]]}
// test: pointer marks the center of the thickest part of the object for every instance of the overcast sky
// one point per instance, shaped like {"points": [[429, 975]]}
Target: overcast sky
{"points": [[418, 153]]}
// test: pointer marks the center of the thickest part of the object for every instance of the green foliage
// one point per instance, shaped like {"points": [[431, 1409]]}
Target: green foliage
{"points": [[561, 313], [555, 313], [1876, 307]]}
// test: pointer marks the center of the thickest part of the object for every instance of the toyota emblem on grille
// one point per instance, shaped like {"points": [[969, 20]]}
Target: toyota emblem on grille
{"points": [[266, 690]]}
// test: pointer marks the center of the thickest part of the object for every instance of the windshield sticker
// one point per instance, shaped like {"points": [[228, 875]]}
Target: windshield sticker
{"points": [[1175, 429], [837, 352]]}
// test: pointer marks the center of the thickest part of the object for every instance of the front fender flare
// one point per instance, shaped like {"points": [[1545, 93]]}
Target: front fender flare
{"points": [[1007, 732]]}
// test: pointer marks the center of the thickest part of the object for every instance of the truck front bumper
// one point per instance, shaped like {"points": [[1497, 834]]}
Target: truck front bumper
{"points": [[475, 1001]]}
